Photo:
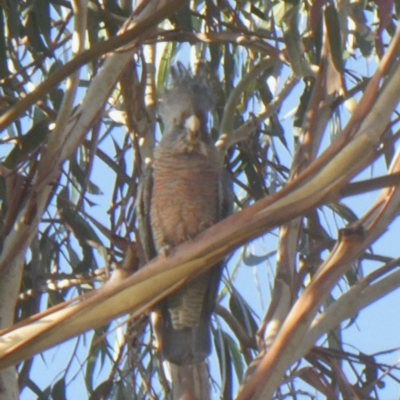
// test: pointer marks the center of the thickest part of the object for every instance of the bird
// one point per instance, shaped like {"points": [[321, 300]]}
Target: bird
{"points": [[184, 191]]}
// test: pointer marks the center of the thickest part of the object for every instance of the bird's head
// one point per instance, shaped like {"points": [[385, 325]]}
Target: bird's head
{"points": [[184, 111]]}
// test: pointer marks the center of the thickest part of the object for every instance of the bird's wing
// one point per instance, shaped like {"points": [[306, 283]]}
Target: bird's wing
{"points": [[225, 208], [143, 205], [225, 195]]}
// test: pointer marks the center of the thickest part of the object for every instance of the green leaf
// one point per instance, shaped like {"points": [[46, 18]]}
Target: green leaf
{"points": [[81, 175], [303, 103], [42, 11], [97, 354], [4, 71], [45, 395], [388, 149], [344, 211], [81, 229], [12, 14], [58, 391], [182, 20], [48, 248], [291, 37], [241, 311], [251, 260], [33, 33], [334, 36], [27, 144], [225, 363], [165, 63], [93, 27], [236, 356], [103, 390]]}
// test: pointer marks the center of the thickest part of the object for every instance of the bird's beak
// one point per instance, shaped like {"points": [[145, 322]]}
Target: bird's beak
{"points": [[192, 124]]}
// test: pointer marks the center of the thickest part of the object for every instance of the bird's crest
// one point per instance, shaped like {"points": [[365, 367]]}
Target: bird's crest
{"points": [[187, 93]]}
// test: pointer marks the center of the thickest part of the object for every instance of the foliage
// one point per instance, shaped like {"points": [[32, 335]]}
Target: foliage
{"points": [[299, 87]]}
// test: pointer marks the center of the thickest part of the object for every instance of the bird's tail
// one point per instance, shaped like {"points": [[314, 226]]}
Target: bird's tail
{"points": [[188, 345], [186, 340]]}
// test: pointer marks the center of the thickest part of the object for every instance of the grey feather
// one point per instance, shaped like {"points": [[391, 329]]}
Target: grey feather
{"points": [[185, 338], [187, 95]]}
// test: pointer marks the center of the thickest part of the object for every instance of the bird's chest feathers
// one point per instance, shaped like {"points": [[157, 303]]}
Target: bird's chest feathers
{"points": [[184, 203]]}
